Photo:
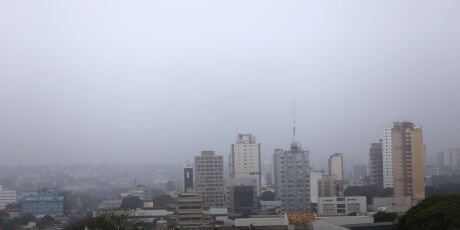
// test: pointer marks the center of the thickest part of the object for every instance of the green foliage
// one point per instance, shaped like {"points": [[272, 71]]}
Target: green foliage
{"points": [[15, 223], [385, 216], [445, 179], [369, 191], [162, 200], [170, 186], [110, 219], [132, 202], [267, 196], [435, 212], [443, 189], [17, 205], [45, 221]]}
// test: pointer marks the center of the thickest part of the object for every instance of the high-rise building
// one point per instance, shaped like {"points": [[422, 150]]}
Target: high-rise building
{"points": [[7, 197], [387, 149], [244, 160], [209, 178], [336, 165], [450, 159], [292, 178], [187, 177], [408, 160], [359, 171], [376, 164]]}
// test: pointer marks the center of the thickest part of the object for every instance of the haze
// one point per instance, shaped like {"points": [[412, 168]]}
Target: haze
{"points": [[159, 81]]}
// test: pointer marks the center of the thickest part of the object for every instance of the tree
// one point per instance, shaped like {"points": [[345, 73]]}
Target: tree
{"points": [[385, 216], [435, 212], [162, 200], [132, 202], [17, 205], [117, 219], [170, 186], [267, 196], [45, 221]]}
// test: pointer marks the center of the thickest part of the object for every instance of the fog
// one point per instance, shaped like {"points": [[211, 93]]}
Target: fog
{"points": [[158, 81]]}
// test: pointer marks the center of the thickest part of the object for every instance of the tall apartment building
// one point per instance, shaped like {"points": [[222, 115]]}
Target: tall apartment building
{"points": [[244, 160], [292, 178], [408, 160], [209, 178], [187, 177], [7, 197], [387, 149], [376, 164], [335, 164]]}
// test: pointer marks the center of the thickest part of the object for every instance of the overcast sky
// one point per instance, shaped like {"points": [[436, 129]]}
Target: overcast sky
{"points": [[158, 81]]}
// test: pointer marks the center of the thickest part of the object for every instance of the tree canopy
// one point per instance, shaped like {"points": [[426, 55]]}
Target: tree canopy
{"points": [[267, 196], [110, 219], [435, 212], [385, 216], [132, 202]]}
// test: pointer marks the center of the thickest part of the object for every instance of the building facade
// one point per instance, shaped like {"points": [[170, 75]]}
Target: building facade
{"points": [[292, 178], [327, 186], [43, 203], [408, 160], [190, 210], [387, 149], [315, 180], [7, 197], [244, 160], [187, 178], [209, 178], [359, 172], [376, 164], [342, 205]]}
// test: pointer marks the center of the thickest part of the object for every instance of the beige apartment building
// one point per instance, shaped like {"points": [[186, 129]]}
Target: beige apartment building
{"points": [[209, 178], [408, 160]]}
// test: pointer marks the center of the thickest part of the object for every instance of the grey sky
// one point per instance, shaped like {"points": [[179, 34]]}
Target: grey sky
{"points": [[158, 81]]}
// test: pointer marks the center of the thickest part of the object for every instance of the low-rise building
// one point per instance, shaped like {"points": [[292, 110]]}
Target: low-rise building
{"points": [[270, 207], [43, 203], [190, 211], [110, 204], [241, 194], [392, 204], [7, 197], [342, 205]]}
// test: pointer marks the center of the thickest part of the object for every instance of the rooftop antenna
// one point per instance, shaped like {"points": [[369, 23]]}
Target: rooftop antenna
{"points": [[293, 124]]}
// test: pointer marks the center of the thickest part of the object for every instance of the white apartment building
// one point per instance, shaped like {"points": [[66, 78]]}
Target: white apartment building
{"points": [[387, 149], [7, 197], [315, 178], [244, 160], [342, 205]]}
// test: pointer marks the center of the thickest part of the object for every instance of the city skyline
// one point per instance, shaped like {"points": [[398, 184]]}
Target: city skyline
{"points": [[79, 84]]}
